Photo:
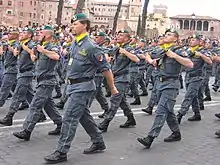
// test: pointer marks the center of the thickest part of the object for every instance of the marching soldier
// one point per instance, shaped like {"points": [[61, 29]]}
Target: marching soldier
{"points": [[193, 79], [46, 81], [85, 58], [169, 66], [120, 67]]}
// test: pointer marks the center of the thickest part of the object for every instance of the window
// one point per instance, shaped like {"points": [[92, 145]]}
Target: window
{"points": [[50, 6], [30, 15], [35, 3], [29, 23], [42, 16], [9, 3], [67, 13], [21, 14], [31, 3], [9, 12], [34, 15], [22, 4], [1, 2]]}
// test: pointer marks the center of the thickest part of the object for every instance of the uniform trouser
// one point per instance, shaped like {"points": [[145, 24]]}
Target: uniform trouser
{"points": [[98, 94], [191, 98], [23, 91], [148, 74], [119, 100], [106, 86], [154, 93], [7, 83], [42, 99], [77, 111], [181, 79], [207, 90], [134, 84], [64, 95], [217, 76], [165, 112], [1, 72], [141, 81]]}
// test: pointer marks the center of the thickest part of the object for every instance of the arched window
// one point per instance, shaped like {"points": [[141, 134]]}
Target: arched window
{"points": [[193, 25], [199, 26], [181, 24], [186, 24], [205, 26]]}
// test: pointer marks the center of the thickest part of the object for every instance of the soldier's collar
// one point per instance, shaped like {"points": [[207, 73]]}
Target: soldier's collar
{"points": [[167, 46], [194, 48], [11, 41], [45, 43], [81, 37]]}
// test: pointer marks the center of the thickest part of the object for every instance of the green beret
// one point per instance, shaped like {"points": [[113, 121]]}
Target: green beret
{"points": [[79, 17], [47, 27], [143, 40], [29, 30], [123, 31], [196, 36], [135, 37], [100, 34], [13, 30], [107, 39], [172, 31]]}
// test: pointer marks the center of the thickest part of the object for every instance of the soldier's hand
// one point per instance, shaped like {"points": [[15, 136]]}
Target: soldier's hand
{"points": [[16, 52], [24, 47], [171, 54], [1, 50], [40, 48], [114, 90], [122, 51], [65, 51], [153, 62], [33, 57]]}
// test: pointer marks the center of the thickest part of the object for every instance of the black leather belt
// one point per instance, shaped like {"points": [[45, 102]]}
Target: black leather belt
{"points": [[162, 79], [79, 80], [121, 73], [42, 78], [25, 70]]}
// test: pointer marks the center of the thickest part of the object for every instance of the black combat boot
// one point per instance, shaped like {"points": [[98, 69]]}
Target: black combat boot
{"points": [[103, 114], [147, 141], [179, 117], [217, 133], [208, 98], [56, 131], [129, 123], [8, 119], [56, 157], [144, 93], [58, 95], [25, 135], [137, 101], [95, 148], [195, 117], [148, 110], [217, 115], [23, 106], [103, 126], [175, 136], [60, 105]]}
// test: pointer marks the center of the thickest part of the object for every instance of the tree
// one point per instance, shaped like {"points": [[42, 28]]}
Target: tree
{"points": [[139, 26], [144, 17], [59, 12], [80, 6], [116, 17]]}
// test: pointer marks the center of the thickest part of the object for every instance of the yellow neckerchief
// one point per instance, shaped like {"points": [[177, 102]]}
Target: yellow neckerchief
{"points": [[25, 41], [68, 43], [11, 41], [45, 43], [194, 48], [161, 46], [132, 45], [56, 43], [167, 46], [80, 37]]}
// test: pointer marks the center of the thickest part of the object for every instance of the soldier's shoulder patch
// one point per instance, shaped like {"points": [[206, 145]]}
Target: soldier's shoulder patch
{"points": [[82, 52], [100, 57]]}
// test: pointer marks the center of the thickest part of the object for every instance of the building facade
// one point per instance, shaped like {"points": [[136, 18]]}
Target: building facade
{"points": [[190, 24]]}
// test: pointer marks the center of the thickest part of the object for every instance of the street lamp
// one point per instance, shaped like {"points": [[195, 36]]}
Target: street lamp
{"points": [[193, 16]]}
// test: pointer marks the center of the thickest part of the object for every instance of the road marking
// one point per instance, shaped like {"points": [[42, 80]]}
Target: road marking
{"points": [[136, 111]]}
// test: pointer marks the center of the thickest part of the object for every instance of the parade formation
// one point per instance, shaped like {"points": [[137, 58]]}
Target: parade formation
{"points": [[36, 63]]}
